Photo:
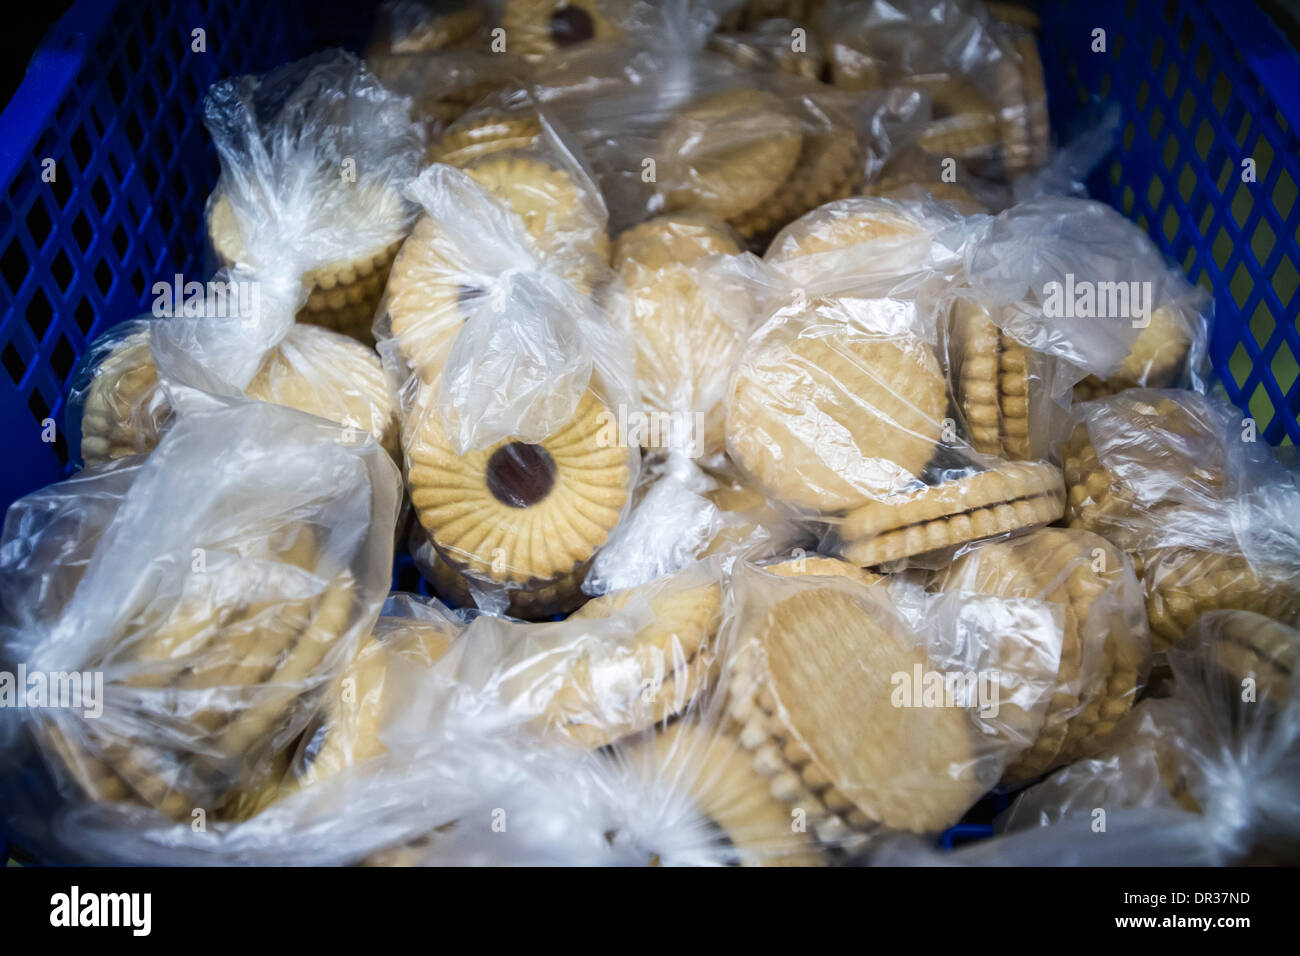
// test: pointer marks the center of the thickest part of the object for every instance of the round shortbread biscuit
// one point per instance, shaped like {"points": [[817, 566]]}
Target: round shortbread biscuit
{"points": [[230, 723], [812, 696], [1155, 361], [625, 690], [686, 335], [1103, 642], [976, 345], [537, 28], [1248, 646], [555, 213], [822, 565], [313, 370], [345, 731], [331, 376], [826, 416], [840, 225], [729, 152], [708, 766], [472, 139], [830, 166], [125, 411], [1008, 483], [341, 295], [1182, 584], [518, 513]]}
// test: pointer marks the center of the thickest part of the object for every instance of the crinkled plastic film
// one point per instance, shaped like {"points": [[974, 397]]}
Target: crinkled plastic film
{"points": [[208, 592], [1171, 477], [1204, 777], [314, 157]]}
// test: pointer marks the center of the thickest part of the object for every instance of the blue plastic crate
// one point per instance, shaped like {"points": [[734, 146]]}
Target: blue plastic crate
{"points": [[1202, 86], [113, 99]]}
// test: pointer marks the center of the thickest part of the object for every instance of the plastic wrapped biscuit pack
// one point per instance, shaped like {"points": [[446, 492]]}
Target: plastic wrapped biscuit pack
{"points": [[782, 464]]}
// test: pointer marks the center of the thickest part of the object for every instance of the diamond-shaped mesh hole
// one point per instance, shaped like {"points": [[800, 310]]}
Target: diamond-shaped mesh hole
{"points": [[80, 148], [1204, 139], [39, 313], [62, 358], [1221, 95], [36, 405], [1222, 248], [1284, 368], [13, 363], [84, 315], [1157, 51], [1284, 194], [1153, 126], [1169, 226], [1262, 242], [1239, 365], [101, 196], [1204, 60], [1171, 80], [1260, 407], [38, 223], [1262, 325], [103, 278], [1285, 278], [82, 232], [13, 266], [1242, 203], [1186, 109], [1170, 155], [61, 270], [1186, 182], [1155, 192]]}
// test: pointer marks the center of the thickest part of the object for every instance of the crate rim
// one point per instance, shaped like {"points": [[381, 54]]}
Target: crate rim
{"points": [[51, 72]]}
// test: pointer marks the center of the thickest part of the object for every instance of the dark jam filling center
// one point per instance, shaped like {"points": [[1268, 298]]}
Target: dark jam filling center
{"points": [[571, 25], [520, 475]]}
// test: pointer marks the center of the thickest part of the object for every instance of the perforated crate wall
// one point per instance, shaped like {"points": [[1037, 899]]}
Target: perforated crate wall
{"points": [[111, 107], [1202, 85]]}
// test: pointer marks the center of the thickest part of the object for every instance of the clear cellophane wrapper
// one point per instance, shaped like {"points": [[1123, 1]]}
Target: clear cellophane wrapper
{"points": [[1074, 280], [839, 408], [314, 159], [671, 127], [443, 85], [1179, 480], [1205, 776], [208, 593], [502, 320], [134, 378], [983, 79]]}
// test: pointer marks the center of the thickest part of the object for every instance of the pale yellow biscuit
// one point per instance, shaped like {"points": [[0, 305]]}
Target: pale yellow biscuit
{"points": [[516, 514], [1013, 497], [537, 28], [709, 766], [686, 333], [603, 698], [125, 411], [811, 693], [341, 295], [729, 152], [1103, 643], [826, 416], [1182, 584], [331, 376]]}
